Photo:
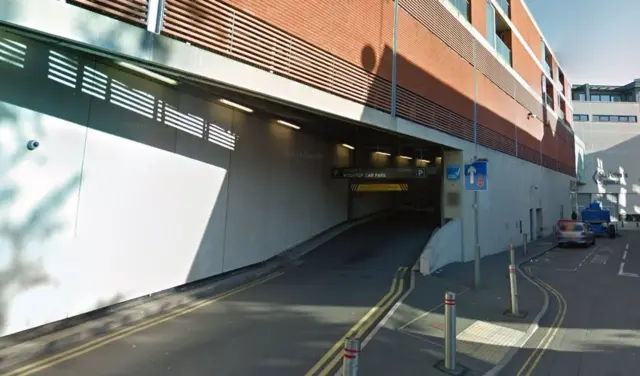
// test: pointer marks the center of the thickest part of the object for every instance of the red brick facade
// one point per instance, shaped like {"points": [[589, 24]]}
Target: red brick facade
{"points": [[346, 48]]}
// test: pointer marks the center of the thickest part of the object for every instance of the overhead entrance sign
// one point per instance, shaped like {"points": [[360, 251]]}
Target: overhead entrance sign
{"points": [[381, 173], [475, 176], [379, 187]]}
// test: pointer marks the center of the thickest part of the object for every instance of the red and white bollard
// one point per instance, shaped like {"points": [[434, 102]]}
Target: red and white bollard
{"points": [[351, 357]]}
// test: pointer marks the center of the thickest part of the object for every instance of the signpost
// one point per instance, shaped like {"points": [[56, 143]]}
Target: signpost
{"points": [[475, 179]]}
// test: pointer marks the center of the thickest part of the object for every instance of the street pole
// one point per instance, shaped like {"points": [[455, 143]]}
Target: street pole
{"points": [[395, 58], [476, 250]]}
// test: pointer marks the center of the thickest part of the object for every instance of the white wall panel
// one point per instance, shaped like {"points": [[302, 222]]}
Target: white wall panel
{"points": [[160, 189]]}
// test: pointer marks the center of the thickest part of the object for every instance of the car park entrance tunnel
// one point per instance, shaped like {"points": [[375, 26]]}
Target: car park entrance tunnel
{"points": [[145, 180]]}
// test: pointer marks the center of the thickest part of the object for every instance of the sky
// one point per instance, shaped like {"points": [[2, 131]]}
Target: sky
{"points": [[595, 41]]}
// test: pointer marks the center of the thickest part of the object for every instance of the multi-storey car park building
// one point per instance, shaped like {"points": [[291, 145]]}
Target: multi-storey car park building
{"points": [[181, 139], [606, 121]]}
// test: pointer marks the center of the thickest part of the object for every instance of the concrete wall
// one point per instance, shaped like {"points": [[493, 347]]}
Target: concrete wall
{"points": [[511, 194], [510, 181], [125, 196]]}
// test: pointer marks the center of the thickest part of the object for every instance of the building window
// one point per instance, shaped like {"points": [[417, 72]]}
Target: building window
{"points": [[581, 97], [580, 117], [499, 34], [615, 118], [464, 7]]}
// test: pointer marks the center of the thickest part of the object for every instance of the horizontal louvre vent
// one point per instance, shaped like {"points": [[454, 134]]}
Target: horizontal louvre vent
{"points": [[130, 11], [528, 154], [414, 107], [437, 19], [494, 140], [223, 29]]}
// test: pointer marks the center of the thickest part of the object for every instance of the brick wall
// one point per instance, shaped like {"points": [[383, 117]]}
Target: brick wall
{"points": [[526, 67], [341, 28], [345, 48], [525, 26]]}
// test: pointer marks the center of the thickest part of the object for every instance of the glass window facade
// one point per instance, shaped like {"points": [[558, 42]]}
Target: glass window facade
{"points": [[615, 118]]}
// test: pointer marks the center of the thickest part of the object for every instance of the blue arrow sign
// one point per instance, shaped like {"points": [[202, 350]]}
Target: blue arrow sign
{"points": [[475, 176]]}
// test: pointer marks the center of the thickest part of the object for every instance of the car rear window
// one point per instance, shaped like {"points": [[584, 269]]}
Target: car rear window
{"points": [[571, 227]]}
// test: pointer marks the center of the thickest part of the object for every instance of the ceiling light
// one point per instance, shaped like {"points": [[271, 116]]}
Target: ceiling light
{"points": [[288, 124], [404, 157], [348, 146], [238, 106], [382, 153], [424, 160], [147, 72]]}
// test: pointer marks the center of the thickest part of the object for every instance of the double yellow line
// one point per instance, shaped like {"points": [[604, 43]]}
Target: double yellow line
{"points": [[53, 360], [534, 358], [331, 359]]}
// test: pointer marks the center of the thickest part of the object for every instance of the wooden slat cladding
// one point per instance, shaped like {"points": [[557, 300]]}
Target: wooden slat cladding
{"points": [[528, 154], [433, 16], [414, 107], [130, 11], [223, 29], [496, 141]]}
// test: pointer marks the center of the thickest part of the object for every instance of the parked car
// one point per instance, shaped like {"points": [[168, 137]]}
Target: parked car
{"points": [[575, 233]]}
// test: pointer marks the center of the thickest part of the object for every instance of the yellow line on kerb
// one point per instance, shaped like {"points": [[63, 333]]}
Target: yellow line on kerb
{"points": [[531, 363], [53, 360], [361, 327]]}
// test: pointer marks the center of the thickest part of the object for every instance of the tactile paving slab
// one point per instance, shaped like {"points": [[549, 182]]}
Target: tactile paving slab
{"points": [[487, 341]]}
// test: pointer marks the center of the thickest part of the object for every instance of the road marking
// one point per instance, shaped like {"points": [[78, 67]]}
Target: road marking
{"points": [[396, 288], [621, 271], [51, 361], [550, 335], [386, 318]]}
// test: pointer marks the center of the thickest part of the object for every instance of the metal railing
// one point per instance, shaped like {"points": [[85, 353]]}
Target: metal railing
{"points": [[131, 11], [503, 51], [504, 4], [463, 7], [549, 100]]}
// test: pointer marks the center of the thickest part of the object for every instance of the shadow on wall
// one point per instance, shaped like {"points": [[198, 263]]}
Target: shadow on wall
{"points": [[21, 229], [413, 80], [444, 248], [87, 94], [620, 158]]}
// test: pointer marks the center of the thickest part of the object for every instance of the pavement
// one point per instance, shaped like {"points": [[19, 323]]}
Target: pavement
{"points": [[411, 341], [284, 323]]}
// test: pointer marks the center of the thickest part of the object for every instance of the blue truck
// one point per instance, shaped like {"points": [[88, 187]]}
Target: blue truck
{"points": [[599, 220]]}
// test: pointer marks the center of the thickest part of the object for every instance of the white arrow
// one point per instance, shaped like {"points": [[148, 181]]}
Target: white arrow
{"points": [[472, 174]]}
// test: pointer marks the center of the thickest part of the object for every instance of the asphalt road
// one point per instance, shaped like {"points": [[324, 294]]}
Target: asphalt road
{"points": [[593, 325], [281, 327]]}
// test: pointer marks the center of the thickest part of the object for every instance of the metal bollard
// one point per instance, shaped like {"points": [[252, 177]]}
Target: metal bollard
{"points": [[512, 255], [448, 365], [351, 357], [515, 311], [524, 244], [450, 331]]}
